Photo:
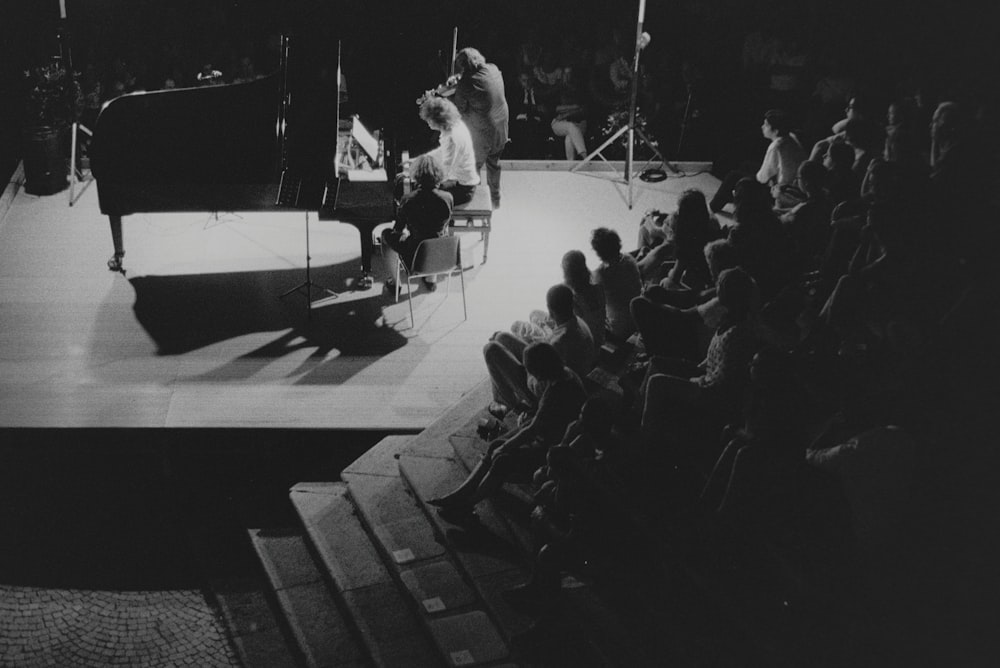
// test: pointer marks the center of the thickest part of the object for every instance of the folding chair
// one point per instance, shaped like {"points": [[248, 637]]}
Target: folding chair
{"points": [[434, 257]]}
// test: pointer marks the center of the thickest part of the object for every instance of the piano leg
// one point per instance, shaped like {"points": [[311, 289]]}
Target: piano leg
{"points": [[115, 263]]}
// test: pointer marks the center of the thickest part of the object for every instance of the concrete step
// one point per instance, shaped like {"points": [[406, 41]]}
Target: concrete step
{"points": [[321, 632], [451, 613], [254, 625], [388, 627]]}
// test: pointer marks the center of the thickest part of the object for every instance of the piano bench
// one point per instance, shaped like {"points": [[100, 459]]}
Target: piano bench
{"points": [[475, 216]]}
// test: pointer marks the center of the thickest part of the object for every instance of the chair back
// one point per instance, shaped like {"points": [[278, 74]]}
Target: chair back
{"points": [[437, 256]]}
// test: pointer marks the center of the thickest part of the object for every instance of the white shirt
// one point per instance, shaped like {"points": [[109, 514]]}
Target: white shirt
{"points": [[781, 162], [458, 155]]}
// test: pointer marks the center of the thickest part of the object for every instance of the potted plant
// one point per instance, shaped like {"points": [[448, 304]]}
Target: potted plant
{"points": [[50, 105]]}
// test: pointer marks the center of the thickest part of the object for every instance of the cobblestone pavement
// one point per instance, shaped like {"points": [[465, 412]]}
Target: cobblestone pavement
{"points": [[80, 628]]}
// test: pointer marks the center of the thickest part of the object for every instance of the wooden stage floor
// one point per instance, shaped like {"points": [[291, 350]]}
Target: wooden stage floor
{"points": [[195, 335]]}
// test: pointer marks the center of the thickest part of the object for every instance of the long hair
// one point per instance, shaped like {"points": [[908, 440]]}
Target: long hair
{"points": [[427, 170], [440, 112], [576, 274]]}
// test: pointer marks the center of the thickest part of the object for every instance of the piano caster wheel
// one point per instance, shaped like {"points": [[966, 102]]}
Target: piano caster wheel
{"points": [[115, 263], [365, 282]]}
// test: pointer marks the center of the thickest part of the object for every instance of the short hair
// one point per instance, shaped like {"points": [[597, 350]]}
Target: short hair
{"points": [[606, 243], [559, 300], [738, 292], [720, 255], [779, 121], [575, 270], [440, 112], [469, 59], [542, 361], [841, 154], [813, 173], [427, 170]]}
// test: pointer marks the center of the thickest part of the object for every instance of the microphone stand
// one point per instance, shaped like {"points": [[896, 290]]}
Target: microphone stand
{"points": [[630, 128]]}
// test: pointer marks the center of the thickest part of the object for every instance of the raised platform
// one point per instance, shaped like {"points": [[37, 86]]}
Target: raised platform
{"points": [[194, 334]]}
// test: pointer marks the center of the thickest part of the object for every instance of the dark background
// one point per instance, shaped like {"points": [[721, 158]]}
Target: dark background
{"points": [[394, 50]]}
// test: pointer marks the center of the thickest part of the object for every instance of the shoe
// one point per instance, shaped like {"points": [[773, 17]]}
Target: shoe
{"points": [[496, 204], [430, 285], [389, 285], [115, 263], [498, 410]]}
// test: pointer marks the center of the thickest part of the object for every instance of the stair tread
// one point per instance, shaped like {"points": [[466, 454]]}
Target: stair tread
{"points": [[319, 626], [337, 535], [437, 586], [391, 631]]}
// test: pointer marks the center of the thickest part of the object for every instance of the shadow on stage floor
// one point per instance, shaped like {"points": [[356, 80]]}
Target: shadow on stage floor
{"points": [[185, 312]]}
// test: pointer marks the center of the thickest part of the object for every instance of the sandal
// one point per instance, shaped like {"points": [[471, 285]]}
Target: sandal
{"points": [[115, 263]]}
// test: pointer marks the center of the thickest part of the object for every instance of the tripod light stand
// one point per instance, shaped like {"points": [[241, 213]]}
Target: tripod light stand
{"points": [[641, 40]]}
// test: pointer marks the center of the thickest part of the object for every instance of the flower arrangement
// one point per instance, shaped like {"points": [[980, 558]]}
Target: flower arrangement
{"points": [[52, 97], [616, 120]]}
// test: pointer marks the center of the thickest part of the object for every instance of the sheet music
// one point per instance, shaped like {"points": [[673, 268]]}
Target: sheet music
{"points": [[365, 140]]}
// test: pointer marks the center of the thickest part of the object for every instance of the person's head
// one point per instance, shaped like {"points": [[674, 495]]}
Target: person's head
{"points": [[776, 124], [900, 112], [468, 60], [812, 177], [427, 171], [839, 157], [542, 361], [692, 227], [606, 243], [751, 199], [439, 113], [856, 108], [737, 291], [576, 274], [948, 122], [559, 301], [527, 80], [721, 254]]}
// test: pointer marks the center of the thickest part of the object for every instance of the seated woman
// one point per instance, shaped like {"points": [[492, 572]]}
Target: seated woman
{"points": [[518, 456], [422, 214], [618, 275], [588, 299], [455, 151]]}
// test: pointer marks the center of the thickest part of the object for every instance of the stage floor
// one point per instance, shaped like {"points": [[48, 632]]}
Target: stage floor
{"points": [[195, 334]]}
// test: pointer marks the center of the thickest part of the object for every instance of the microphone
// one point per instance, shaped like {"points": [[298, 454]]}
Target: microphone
{"points": [[644, 39]]}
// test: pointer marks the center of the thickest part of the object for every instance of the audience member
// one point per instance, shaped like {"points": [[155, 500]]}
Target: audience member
{"points": [[618, 275], [560, 394]]}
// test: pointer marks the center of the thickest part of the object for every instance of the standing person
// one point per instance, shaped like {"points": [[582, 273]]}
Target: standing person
{"points": [[479, 96], [455, 150]]}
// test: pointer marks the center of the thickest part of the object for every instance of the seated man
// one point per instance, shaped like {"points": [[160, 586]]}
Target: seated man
{"points": [[777, 169], [422, 214], [517, 456], [570, 337]]}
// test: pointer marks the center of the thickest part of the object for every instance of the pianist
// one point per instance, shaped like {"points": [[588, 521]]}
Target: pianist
{"points": [[455, 149]]}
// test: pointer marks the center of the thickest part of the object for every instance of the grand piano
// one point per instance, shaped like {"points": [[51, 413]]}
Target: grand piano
{"points": [[227, 148]]}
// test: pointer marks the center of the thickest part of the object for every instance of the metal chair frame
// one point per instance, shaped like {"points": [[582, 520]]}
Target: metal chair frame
{"points": [[440, 264]]}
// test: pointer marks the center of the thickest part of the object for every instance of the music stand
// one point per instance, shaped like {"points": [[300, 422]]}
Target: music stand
{"points": [[306, 286], [641, 39]]}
